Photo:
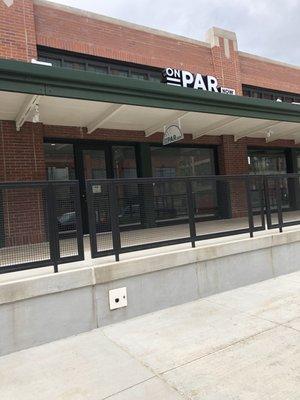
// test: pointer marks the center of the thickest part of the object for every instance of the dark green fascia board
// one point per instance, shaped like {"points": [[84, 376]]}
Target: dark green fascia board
{"points": [[16, 76]]}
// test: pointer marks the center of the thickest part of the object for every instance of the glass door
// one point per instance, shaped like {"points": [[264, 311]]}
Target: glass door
{"points": [[170, 200], [270, 162], [92, 163]]}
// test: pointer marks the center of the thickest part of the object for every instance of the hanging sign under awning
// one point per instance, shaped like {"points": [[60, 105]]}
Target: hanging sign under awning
{"points": [[177, 77], [172, 133]]}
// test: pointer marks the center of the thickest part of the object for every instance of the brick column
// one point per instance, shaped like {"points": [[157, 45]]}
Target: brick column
{"points": [[22, 153], [17, 30], [232, 155], [233, 160], [224, 50]]}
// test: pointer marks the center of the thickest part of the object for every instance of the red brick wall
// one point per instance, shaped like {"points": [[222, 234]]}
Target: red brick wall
{"points": [[269, 75], [226, 68], [24, 219], [22, 159], [60, 29], [233, 156], [22, 152], [24, 25], [17, 31]]}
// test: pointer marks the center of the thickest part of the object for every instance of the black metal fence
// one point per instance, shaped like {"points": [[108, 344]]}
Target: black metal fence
{"points": [[282, 200], [41, 222], [135, 214], [40, 225]]}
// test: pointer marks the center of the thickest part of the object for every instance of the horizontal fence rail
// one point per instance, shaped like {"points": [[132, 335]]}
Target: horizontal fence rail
{"points": [[41, 222], [40, 225]]}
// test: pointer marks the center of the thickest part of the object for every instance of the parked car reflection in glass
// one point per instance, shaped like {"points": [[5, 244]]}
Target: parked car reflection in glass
{"points": [[67, 222]]}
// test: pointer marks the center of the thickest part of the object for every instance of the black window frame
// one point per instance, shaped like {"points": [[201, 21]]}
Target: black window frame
{"points": [[47, 54], [264, 93], [212, 148]]}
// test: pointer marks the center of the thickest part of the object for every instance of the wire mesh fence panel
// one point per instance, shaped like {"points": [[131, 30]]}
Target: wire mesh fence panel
{"points": [[274, 194], [67, 220], [256, 201], [290, 203], [100, 216], [226, 206], [24, 228], [152, 212], [283, 195], [37, 226], [135, 214]]}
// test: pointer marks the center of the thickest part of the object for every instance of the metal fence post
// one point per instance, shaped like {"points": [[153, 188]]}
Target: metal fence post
{"points": [[249, 205], [114, 219], [262, 202], [191, 213], [53, 227], [279, 205], [79, 229], [267, 202], [92, 219]]}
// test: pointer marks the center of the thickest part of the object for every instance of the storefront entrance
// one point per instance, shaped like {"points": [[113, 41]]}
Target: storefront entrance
{"points": [[271, 162], [84, 160]]}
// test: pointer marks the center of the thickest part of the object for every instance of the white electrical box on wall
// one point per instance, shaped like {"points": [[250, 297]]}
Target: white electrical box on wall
{"points": [[117, 298]]}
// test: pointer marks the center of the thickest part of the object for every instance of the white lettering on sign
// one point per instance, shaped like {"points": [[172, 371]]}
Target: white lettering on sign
{"points": [[227, 91], [176, 77], [172, 133], [199, 82]]}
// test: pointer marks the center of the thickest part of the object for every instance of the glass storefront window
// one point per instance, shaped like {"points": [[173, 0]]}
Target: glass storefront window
{"points": [[60, 166], [269, 162], [182, 161], [94, 163], [124, 162], [98, 69], [59, 160], [74, 65], [170, 197], [124, 165], [119, 72], [139, 75]]}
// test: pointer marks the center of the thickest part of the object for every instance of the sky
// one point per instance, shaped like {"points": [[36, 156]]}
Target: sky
{"points": [[269, 28]]}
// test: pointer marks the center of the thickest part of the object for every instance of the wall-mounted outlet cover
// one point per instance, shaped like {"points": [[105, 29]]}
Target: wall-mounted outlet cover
{"points": [[117, 298]]}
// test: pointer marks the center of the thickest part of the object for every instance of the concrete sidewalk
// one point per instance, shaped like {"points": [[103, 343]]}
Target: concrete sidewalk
{"points": [[238, 345]]}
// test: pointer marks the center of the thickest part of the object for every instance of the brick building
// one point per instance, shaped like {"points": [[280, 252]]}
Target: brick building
{"points": [[52, 128]]}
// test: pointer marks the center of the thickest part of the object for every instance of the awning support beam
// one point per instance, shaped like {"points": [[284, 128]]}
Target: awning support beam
{"points": [[103, 117], [214, 127], [27, 107], [280, 135], [250, 132], [158, 127]]}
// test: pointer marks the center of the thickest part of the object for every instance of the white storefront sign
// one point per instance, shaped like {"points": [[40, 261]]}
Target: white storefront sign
{"points": [[227, 90], [172, 133], [177, 77]]}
